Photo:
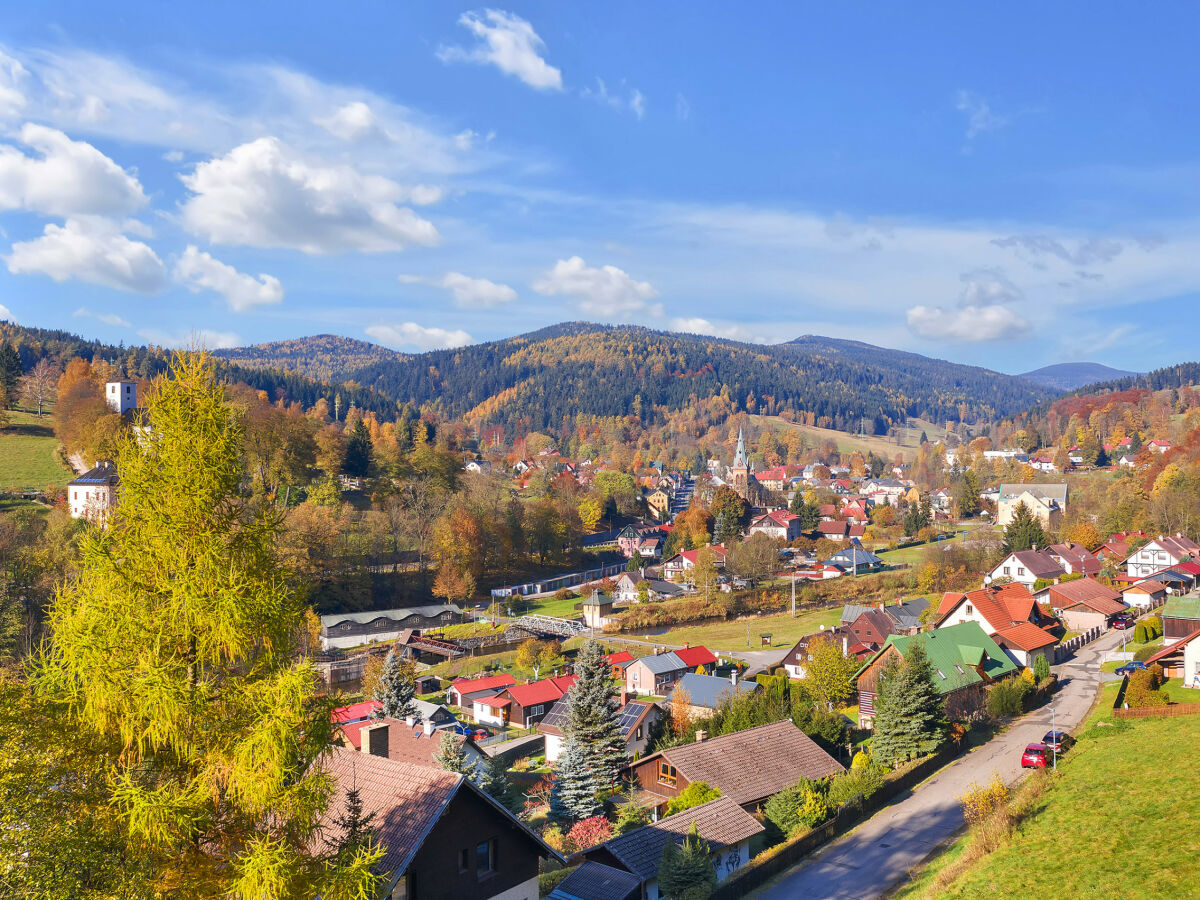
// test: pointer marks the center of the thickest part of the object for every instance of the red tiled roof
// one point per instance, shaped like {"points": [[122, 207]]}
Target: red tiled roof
{"points": [[498, 701], [696, 656], [621, 656], [410, 744], [487, 683], [1178, 645], [1024, 636], [355, 712], [1148, 587], [1087, 592], [545, 691]]}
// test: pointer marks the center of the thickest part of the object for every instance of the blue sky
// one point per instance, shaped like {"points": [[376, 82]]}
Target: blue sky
{"points": [[1009, 188]]}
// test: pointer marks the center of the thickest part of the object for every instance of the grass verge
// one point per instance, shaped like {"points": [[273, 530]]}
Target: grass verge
{"points": [[29, 459]]}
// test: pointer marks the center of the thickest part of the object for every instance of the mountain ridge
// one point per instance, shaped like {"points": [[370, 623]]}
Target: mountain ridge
{"points": [[1074, 375]]}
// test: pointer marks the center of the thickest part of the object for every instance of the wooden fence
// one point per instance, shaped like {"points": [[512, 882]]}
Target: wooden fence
{"points": [[778, 859], [1155, 712]]}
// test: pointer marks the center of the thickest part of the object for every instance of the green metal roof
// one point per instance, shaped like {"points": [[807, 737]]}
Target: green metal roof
{"points": [[953, 648], [1183, 608]]}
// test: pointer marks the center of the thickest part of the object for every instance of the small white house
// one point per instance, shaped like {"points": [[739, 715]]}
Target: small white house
{"points": [[1160, 554], [93, 493]]}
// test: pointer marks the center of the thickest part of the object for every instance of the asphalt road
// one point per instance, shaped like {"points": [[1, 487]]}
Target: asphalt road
{"points": [[880, 852]]}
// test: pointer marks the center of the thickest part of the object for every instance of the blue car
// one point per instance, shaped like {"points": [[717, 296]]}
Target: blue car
{"points": [[1130, 667]]}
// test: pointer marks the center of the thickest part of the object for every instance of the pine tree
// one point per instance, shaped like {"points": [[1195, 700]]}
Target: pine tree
{"points": [[1024, 531], [395, 688], [686, 872], [594, 748], [10, 372], [173, 646], [493, 778], [358, 831], [451, 756], [910, 715], [358, 451]]}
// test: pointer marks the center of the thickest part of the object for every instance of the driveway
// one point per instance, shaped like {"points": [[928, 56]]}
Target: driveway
{"points": [[880, 852]]}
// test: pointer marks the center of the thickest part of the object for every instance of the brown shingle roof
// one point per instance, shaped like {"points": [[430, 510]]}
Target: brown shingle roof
{"points": [[1024, 636], [1087, 592], [749, 765], [721, 822]]}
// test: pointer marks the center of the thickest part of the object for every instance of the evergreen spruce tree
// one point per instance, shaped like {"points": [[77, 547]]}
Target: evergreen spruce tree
{"points": [[395, 688], [493, 778], [358, 451], [594, 748], [10, 372], [1024, 531], [910, 715], [686, 872], [173, 646], [451, 756], [357, 828]]}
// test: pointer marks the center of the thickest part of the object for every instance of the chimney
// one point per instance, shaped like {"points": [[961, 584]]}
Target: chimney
{"points": [[374, 739], [733, 677], [882, 605], [845, 645], [624, 699], [701, 736], [428, 728], [410, 721]]}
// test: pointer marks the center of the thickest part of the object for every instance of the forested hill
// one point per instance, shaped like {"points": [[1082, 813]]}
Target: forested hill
{"points": [[541, 379], [1072, 376], [325, 357]]}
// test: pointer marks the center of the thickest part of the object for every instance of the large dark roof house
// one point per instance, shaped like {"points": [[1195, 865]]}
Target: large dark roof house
{"points": [[722, 823], [443, 837], [635, 719], [746, 766]]}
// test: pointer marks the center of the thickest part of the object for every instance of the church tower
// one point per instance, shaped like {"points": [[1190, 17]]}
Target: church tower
{"points": [[739, 472]]}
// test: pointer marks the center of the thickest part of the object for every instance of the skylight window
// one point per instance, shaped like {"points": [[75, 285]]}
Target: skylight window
{"points": [[941, 674]]}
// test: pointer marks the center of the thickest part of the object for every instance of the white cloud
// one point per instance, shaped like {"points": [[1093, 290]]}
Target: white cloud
{"points": [[979, 115], [107, 318], [70, 178], [988, 286], [352, 122], [12, 75], [607, 291], [476, 292], [200, 271], [91, 250], [634, 102], [205, 338], [728, 330], [410, 334], [510, 44], [173, 156], [6, 314], [968, 323], [263, 194]]}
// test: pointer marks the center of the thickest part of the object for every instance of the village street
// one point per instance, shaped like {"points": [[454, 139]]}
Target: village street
{"points": [[880, 852]]}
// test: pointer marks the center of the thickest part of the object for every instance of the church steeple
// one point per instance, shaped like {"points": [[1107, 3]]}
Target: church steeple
{"points": [[740, 460]]}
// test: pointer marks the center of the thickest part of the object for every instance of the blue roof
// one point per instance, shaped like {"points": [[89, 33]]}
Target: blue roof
{"points": [[662, 663], [709, 690], [105, 473]]}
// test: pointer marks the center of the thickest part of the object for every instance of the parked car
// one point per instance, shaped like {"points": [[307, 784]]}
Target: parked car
{"points": [[460, 728], [1123, 621], [1034, 757], [1058, 741], [1135, 665], [481, 733]]}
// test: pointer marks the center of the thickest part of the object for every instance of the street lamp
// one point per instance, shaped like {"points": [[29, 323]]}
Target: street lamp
{"points": [[1054, 744]]}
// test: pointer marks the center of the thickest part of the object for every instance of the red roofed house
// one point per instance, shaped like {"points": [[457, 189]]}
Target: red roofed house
{"points": [[1145, 594], [699, 657], [835, 531], [1008, 615], [1160, 554], [442, 836], [409, 740], [1160, 446], [1181, 660], [463, 691], [1085, 604], [619, 661], [781, 525], [523, 705]]}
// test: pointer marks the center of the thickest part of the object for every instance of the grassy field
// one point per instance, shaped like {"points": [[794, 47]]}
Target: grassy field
{"points": [[29, 454], [732, 635], [548, 606], [909, 437], [1112, 825]]}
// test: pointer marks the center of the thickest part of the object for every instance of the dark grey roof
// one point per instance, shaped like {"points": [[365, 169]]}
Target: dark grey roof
{"points": [[709, 690], [627, 716], [596, 881], [721, 822], [661, 663], [908, 613], [105, 473]]}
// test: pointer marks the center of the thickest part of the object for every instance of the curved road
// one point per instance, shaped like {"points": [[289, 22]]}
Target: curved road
{"points": [[881, 851]]}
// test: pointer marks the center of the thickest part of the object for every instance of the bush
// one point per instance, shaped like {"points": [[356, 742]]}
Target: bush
{"points": [[845, 786], [861, 760], [1143, 691], [589, 832], [693, 795], [1041, 669], [1140, 635], [801, 805], [987, 813], [548, 881], [1154, 626], [1144, 653], [1005, 697]]}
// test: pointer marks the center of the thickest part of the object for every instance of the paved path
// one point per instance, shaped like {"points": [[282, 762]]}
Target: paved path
{"points": [[880, 852]]}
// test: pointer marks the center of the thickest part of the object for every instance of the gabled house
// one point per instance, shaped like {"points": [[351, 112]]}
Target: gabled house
{"points": [[1116, 548], [679, 566], [1075, 559], [523, 705], [964, 661], [796, 659], [780, 525], [746, 766], [618, 661], [1160, 446], [1009, 615], [659, 502], [1047, 502], [1161, 553], [635, 718], [408, 740], [872, 628], [1145, 594], [625, 590], [707, 692], [1181, 659], [855, 559], [654, 674], [92, 494], [443, 837], [596, 881], [725, 826], [464, 691], [597, 609], [698, 657], [1027, 567], [1085, 603], [1180, 617]]}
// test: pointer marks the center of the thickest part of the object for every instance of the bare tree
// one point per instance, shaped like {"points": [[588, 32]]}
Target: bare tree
{"points": [[413, 512], [40, 385]]}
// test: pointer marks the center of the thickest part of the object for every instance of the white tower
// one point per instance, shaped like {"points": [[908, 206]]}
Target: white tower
{"points": [[121, 396]]}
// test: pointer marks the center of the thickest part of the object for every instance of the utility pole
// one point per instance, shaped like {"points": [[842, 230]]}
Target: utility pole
{"points": [[793, 593], [1053, 751]]}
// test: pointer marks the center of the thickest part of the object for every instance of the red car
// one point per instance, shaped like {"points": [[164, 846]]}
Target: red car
{"points": [[1121, 622], [1034, 757]]}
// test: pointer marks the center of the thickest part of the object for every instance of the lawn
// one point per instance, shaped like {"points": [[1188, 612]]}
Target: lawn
{"points": [[1119, 802], [909, 436], [548, 606], [481, 628], [29, 454], [731, 635]]}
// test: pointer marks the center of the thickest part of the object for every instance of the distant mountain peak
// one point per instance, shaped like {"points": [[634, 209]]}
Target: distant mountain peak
{"points": [[1073, 375]]}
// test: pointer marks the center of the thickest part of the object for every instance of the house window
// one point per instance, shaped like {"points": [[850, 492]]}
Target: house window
{"points": [[960, 669], [667, 774], [638, 736], [941, 674], [403, 889], [1006, 571], [969, 609], [1020, 570], [537, 710], [464, 860], [485, 858]]}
